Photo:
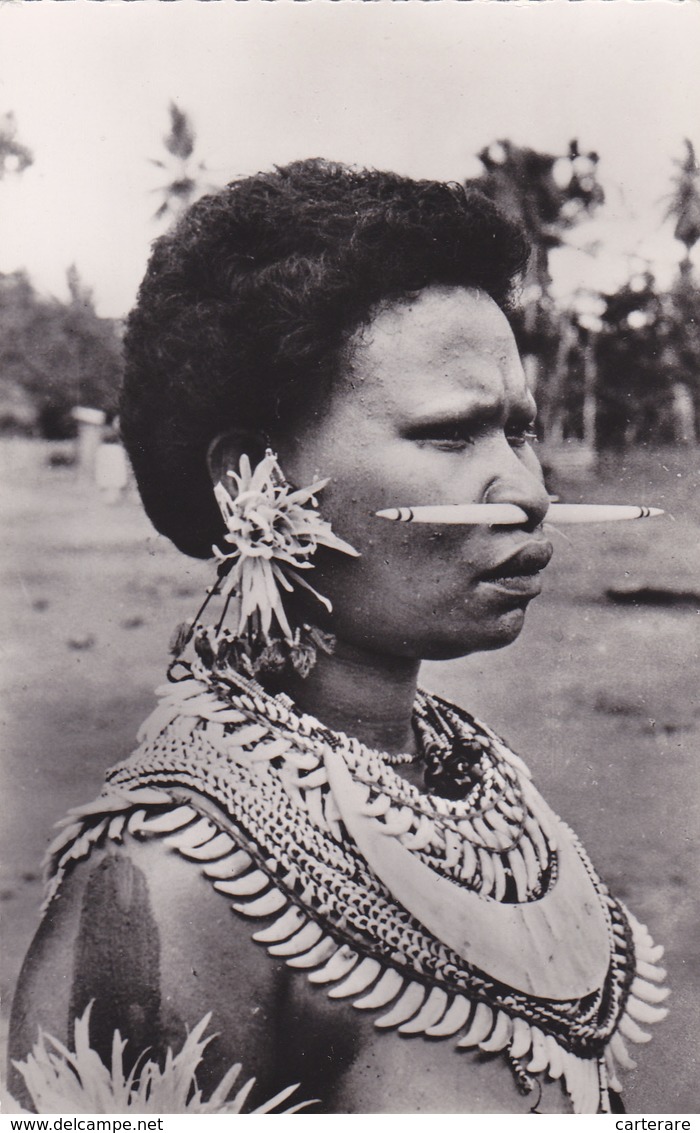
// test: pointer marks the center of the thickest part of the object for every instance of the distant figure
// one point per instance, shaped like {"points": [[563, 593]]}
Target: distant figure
{"points": [[111, 467], [90, 425]]}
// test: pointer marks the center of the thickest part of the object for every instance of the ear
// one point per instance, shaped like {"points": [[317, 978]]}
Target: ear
{"points": [[226, 450]]}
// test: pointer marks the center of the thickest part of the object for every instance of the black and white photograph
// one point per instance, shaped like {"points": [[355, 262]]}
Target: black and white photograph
{"points": [[350, 448]]}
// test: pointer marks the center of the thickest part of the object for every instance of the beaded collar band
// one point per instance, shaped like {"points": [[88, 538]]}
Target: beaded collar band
{"points": [[312, 829]]}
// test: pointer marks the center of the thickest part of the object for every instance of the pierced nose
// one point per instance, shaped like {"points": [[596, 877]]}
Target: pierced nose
{"points": [[495, 494], [534, 508]]}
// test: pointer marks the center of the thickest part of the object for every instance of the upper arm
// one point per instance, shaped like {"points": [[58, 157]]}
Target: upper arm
{"points": [[142, 935], [43, 993], [138, 931]]}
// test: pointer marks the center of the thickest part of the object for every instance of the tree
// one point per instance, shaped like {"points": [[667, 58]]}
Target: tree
{"points": [[684, 206], [54, 356], [185, 183], [681, 355], [635, 389], [14, 157], [548, 195], [682, 346]]}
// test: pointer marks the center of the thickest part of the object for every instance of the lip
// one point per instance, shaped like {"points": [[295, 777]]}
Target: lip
{"points": [[519, 573]]}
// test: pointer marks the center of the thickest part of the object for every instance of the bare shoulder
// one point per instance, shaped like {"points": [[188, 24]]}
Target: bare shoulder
{"points": [[142, 933], [139, 931]]}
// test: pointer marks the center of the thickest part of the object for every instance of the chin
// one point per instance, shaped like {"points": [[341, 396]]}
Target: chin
{"points": [[495, 633]]}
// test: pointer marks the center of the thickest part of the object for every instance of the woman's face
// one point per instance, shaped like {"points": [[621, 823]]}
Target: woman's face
{"points": [[433, 409]]}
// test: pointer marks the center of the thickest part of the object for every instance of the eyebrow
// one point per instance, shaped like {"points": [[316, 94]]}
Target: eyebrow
{"points": [[484, 411]]}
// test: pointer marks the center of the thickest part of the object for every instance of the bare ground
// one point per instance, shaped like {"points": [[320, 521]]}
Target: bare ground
{"points": [[601, 699]]}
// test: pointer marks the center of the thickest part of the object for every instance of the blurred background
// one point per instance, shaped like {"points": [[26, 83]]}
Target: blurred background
{"points": [[582, 121]]}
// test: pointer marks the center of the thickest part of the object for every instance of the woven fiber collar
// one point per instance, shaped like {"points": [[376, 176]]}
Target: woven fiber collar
{"points": [[371, 886]]}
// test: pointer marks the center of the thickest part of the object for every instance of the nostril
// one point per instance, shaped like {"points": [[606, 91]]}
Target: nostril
{"points": [[525, 490], [535, 509]]}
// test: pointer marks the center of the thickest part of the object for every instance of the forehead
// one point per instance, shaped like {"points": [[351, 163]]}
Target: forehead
{"points": [[447, 343]]}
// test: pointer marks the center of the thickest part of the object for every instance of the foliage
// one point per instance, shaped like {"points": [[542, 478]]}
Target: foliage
{"points": [[546, 193], [54, 356], [185, 183], [633, 372], [684, 206], [682, 341], [63, 1081], [634, 391], [14, 156], [647, 352]]}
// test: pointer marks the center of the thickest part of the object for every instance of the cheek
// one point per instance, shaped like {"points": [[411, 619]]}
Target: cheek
{"points": [[423, 605], [404, 572], [404, 476]]}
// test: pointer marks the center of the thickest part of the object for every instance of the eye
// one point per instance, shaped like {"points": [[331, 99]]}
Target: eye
{"points": [[518, 438], [445, 436]]}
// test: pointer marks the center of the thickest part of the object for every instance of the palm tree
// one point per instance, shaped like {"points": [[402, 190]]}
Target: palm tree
{"points": [[14, 157], [185, 183], [684, 205], [682, 353]]}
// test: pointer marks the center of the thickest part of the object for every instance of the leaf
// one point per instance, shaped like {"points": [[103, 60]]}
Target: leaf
{"points": [[180, 141], [180, 636], [61, 1081]]}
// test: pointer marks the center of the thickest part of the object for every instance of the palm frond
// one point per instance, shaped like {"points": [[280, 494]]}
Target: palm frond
{"points": [[63, 1081]]}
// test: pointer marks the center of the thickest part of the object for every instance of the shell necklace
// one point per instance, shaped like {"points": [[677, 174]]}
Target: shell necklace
{"points": [[421, 905]]}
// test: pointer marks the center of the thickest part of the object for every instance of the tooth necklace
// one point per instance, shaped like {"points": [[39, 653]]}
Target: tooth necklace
{"points": [[477, 918], [480, 929]]}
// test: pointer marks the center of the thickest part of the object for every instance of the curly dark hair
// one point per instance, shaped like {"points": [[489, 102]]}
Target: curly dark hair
{"points": [[248, 306]]}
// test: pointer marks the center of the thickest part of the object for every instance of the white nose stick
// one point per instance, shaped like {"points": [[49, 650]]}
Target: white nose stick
{"points": [[511, 514], [599, 513]]}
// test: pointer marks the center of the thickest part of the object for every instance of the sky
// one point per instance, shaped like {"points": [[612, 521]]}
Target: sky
{"points": [[415, 87]]}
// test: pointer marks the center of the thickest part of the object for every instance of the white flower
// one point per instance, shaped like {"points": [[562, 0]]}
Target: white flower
{"points": [[274, 532]]}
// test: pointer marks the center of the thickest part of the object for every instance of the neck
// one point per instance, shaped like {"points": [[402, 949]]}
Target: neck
{"points": [[366, 695]]}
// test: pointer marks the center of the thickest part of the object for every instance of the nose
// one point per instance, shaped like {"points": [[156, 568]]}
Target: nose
{"points": [[519, 480]]}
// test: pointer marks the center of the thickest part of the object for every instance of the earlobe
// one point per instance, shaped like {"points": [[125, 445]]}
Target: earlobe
{"points": [[226, 450]]}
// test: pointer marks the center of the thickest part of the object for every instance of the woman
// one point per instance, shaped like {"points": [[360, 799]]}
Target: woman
{"points": [[355, 878]]}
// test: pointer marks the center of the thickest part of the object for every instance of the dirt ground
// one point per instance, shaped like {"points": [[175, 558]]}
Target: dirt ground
{"points": [[600, 698]]}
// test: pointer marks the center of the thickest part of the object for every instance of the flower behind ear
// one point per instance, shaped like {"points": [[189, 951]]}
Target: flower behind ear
{"points": [[274, 531]]}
